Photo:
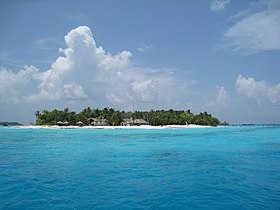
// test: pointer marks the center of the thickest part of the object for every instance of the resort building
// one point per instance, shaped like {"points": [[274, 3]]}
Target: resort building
{"points": [[137, 122], [98, 122]]}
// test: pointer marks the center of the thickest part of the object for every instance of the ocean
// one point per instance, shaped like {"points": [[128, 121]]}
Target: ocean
{"points": [[199, 168]]}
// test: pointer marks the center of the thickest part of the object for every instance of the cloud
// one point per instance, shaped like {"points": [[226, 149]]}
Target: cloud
{"points": [[12, 84], [256, 31], [113, 98], [141, 49], [218, 5], [73, 91], [260, 91], [144, 48], [146, 90], [219, 97], [7, 59], [86, 71]]}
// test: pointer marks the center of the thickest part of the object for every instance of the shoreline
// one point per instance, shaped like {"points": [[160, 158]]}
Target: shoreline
{"points": [[112, 127]]}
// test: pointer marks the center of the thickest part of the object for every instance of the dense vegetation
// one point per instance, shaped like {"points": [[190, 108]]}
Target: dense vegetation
{"points": [[115, 117]]}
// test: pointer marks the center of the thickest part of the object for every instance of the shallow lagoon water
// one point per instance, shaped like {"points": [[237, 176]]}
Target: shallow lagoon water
{"points": [[204, 168]]}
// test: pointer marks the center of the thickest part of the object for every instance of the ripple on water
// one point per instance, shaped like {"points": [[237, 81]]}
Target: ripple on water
{"points": [[223, 168]]}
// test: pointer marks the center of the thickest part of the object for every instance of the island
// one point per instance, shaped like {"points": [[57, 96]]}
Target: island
{"points": [[112, 117]]}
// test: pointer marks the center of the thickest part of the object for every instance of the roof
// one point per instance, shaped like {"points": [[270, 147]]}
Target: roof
{"points": [[135, 121], [140, 121]]}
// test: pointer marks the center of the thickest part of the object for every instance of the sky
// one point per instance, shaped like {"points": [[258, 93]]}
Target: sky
{"points": [[219, 56]]}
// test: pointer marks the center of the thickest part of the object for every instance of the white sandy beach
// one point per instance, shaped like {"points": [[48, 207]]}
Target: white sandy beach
{"points": [[113, 127]]}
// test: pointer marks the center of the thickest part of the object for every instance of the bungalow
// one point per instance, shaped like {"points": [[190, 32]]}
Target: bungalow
{"points": [[130, 122], [98, 122]]}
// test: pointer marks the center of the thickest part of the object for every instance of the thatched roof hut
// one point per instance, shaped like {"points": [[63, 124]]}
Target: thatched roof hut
{"points": [[59, 123], [65, 123], [79, 123]]}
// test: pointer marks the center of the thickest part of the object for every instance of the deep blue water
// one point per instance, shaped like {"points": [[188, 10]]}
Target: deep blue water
{"points": [[206, 168]]}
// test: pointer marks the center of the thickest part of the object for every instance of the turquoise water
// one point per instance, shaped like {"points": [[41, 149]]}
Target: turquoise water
{"points": [[206, 168]]}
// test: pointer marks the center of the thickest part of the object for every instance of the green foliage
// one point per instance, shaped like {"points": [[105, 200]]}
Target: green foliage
{"points": [[46, 117], [115, 117]]}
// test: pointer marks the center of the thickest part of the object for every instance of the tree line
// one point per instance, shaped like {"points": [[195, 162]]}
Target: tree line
{"points": [[116, 117]]}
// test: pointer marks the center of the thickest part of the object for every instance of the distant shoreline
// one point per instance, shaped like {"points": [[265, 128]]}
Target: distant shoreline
{"points": [[135, 127], [112, 127]]}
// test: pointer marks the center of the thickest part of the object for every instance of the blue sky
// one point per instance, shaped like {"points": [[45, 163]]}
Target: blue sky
{"points": [[220, 56]]}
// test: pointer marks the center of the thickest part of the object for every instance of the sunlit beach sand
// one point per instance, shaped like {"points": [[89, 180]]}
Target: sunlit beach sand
{"points": [[114, 127]]}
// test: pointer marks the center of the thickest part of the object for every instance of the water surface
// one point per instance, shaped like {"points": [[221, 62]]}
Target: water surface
{"points": [[205, 168]]}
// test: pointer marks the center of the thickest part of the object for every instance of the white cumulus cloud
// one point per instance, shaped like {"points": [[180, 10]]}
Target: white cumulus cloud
{"points": [[12, 84], [261, 91], [73, 91], [86, 71], [218, 5]]}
